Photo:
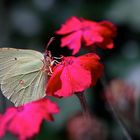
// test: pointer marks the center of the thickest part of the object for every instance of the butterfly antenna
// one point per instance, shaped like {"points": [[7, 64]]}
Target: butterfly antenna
{"points": [[50, 41]]}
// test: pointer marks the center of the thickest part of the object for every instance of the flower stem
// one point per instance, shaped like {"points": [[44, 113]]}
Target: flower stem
{"points": [[115, 114], [83, 102]]}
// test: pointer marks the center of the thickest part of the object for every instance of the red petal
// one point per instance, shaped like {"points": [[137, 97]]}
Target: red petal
{"points": [[90, 32], [100, 33], [108, 32], [91, 37], [4, 120], [25, 121], [54, 82], [71, 25], [73, 41], [74, 79], [111, 28], [91, 62], [106, 44]]}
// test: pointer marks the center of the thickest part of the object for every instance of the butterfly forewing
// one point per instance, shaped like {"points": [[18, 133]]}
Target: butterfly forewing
{"points": [[22, 76]]}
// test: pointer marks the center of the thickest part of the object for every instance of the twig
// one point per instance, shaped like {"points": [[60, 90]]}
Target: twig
{"points": [[83, 103]]}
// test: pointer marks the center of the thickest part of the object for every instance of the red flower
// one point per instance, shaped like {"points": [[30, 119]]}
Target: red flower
{"points": [[90, 32], [74, 74], [25, 121]]}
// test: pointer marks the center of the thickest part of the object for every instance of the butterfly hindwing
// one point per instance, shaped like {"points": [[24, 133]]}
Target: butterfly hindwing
{"points": [[21, 76]]}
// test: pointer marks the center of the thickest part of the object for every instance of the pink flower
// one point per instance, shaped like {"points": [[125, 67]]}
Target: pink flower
{"points": [[120, 94], [80, 30], [74, 74], [25, 121]]}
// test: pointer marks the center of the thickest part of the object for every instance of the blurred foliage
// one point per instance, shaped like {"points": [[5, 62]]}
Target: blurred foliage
{"points": [[31, 23]]}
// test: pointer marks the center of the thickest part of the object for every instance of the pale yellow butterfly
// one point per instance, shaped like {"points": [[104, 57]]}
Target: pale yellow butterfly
{"points": [[23, 74]]}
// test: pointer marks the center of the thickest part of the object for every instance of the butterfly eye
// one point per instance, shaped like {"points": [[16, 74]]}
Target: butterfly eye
{"points": [[15, 58]]}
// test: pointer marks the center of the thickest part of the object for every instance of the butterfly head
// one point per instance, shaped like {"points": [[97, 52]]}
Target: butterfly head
{"points": [[49, 59]]}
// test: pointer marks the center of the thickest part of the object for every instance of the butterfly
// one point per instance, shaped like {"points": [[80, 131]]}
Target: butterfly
{"points": [[23, 74]]}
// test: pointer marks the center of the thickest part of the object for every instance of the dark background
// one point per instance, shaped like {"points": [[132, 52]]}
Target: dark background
{"points": [[31, 23]]}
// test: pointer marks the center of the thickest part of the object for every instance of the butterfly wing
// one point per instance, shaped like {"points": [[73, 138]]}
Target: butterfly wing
{"points": [[21, 75]]}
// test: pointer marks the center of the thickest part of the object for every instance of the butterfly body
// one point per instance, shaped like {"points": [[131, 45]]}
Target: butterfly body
{"points": [[23, 75]]}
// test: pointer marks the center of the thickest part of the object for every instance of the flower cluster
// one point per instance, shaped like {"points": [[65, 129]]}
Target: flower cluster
{"points": [[77, 31], [74, 74], [70, 76]]}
